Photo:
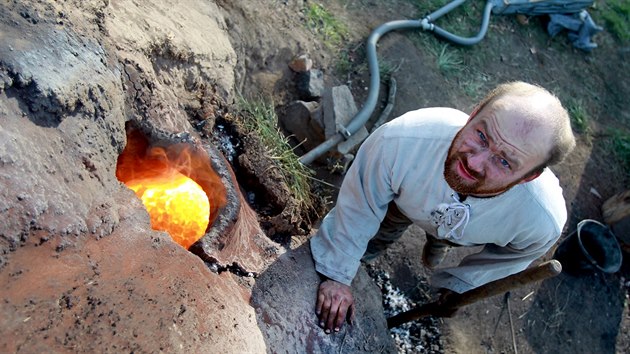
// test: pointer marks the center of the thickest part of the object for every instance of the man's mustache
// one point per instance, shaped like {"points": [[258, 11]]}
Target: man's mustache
{"points": [[464, 160]]}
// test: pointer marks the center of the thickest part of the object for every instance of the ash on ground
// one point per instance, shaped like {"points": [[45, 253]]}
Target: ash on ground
{"points": [[419, 336]]}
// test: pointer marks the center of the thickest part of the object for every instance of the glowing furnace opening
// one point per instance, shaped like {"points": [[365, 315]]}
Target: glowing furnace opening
{"points": [[176, 183]]}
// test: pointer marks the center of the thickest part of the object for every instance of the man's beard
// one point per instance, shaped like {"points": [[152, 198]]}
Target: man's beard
{"points": [[463, 186]]}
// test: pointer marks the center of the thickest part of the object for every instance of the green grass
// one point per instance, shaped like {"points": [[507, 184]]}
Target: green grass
{"points": [[449, 60], [616, 15], [263, 122], [621, 147], [386, 69], [323, 23], [473, 85], [464, 20], [578, 114], [343, 64]]}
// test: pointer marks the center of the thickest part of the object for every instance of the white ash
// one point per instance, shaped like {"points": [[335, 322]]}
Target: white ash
{"points": [[419, 336], [225, 143]]}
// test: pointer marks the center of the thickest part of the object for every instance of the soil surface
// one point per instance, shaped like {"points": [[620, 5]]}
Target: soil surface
{"points": [[586, 313]]}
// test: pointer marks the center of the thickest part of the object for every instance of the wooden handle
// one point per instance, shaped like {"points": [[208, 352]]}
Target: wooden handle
{"points": [[454, 301]]}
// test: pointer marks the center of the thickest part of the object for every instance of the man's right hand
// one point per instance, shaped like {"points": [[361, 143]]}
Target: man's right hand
{"points": [[334, 305]]}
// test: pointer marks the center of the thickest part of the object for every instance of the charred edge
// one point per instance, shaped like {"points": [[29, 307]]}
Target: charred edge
{"points": [[233, 268], [255, 192]]}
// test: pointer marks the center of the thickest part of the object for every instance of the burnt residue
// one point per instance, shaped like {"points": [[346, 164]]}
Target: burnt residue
{"points": [[260, 180], [218, 232]]}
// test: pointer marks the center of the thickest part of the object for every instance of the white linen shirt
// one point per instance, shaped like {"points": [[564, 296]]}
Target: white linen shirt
{"points": [[403, 161]]}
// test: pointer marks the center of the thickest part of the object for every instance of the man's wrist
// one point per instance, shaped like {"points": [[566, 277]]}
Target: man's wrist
{"points": [[322, 277]]}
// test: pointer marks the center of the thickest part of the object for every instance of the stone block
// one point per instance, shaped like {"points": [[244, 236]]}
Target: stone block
{"points": [[339, 110], [304, 121], [310, 84]]}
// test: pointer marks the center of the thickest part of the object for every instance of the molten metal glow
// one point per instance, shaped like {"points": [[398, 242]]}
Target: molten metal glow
{"points": [[176, 204]]}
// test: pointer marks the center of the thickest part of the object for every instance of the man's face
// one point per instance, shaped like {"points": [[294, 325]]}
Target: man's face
{"points": [[497, 149]]}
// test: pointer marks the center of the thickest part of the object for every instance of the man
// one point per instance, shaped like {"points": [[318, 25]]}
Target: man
{"points": [[466, 180]]}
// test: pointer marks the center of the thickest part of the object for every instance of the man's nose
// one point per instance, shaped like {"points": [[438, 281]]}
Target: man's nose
{"points": [[478, 159]]}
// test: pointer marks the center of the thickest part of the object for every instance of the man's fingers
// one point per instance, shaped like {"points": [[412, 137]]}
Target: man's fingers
{"points": [[332, 316], [325, 314], [341, 315], [320, 302], [333, 301], [350, 316]]}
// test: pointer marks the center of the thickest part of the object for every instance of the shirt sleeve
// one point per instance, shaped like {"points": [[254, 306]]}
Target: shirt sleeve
{"points": [[492, 263], [342, 238]]}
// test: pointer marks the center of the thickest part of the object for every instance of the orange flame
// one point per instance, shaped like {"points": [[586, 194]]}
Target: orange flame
{"points": [[176, 184], [176, 204]]}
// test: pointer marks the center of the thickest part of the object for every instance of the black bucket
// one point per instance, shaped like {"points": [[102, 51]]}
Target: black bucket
{"points": [[591, 247]]}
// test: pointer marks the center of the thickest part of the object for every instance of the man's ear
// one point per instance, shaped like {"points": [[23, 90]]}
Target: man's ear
{"points": [[532, 176]]}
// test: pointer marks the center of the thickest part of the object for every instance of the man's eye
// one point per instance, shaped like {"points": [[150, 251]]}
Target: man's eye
{"points": [[505, 164], [482, 136]]}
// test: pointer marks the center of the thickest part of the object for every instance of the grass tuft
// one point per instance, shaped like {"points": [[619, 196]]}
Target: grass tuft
{"points": [[579, 117], [449, 60], [616, 14], [322, 22], [473, 85], [386, 69], [621, 147], [263, 123]]}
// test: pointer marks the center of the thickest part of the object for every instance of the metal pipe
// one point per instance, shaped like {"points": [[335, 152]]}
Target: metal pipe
{"points": [[364, 114], [467, 40]]}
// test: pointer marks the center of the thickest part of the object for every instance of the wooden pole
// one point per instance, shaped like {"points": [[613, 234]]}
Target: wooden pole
{"points": [[454, 301], [616, 208]]}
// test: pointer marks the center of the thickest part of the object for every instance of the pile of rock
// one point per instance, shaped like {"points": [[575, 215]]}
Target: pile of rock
{"points": [[320, 113]]}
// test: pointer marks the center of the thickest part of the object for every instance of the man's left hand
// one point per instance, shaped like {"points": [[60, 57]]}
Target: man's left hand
{"points": [[334, 304]]}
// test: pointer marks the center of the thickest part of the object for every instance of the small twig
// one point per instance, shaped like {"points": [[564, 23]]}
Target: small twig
{"points": [[499, 319], [527, 296], [320, 181], [507, 301]]}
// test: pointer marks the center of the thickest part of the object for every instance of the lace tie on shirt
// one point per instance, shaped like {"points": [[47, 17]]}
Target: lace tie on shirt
{"points": [[453, 216]]}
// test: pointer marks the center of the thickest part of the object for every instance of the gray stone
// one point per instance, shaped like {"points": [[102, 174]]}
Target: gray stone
{"points": [[303, 120], [284, 297], [310, 84], [339, 110]]}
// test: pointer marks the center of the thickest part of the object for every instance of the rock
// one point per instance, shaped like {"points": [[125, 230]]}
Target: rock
{"points": [[522, 19], [301, 64], [339, 163], [616, 214], [310, 84], [303, 120], [284, 298], [339, 110]]}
